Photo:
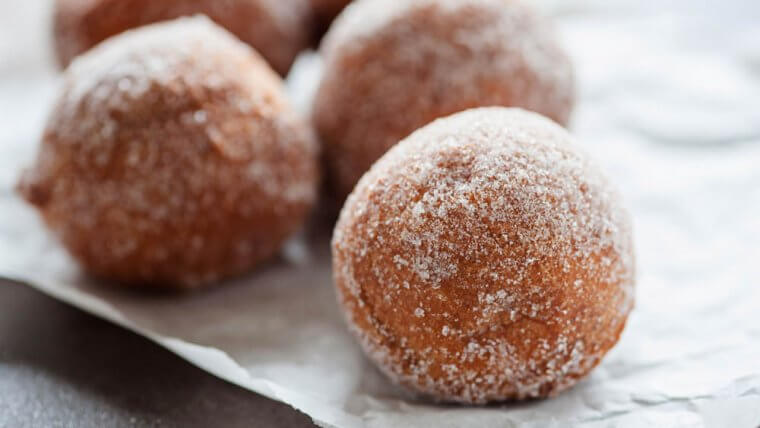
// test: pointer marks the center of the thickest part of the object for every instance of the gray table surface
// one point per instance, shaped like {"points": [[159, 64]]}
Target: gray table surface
{"points": [[60, 367]]}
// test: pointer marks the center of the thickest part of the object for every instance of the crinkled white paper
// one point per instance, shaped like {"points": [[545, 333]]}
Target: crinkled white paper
{"points": [[669, 106]]}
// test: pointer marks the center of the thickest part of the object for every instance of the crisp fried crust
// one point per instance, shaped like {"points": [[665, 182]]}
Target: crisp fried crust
{"points": [[485, 258], [172, 158], [278, 29], [393, 67]]}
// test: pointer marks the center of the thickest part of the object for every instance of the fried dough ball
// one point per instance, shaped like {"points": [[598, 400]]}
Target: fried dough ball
{"points": [[172, 158], [392, 67], [279, 30], [484, 258]]}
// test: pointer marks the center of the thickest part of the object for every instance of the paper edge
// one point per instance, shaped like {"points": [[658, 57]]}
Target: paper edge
{"points": [[211, 360]]}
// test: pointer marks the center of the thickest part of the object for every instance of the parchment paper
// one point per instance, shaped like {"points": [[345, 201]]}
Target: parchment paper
{"points": [[669, 105]]}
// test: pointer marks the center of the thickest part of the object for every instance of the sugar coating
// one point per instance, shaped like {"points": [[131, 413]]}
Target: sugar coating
{"points": [[173, 157], [391, 68], [485, 258], [277, 29]]}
